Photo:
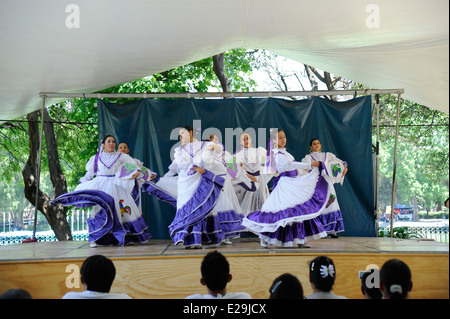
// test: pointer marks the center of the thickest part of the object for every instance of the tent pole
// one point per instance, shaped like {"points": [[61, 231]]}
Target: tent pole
{"points": [[377, 166], [189, 95], [395, 166], [38, 168]]}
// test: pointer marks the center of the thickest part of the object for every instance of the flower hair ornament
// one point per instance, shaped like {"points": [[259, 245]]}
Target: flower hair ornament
{"points": [[327, 271]]}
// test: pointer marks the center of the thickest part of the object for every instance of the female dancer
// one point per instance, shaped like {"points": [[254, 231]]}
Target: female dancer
{"points": [[124, 148], [204, 215], [107, 186], [251, 197], [290, 214], [146, 175], [331, 216], [228, 201], [239, 177]]}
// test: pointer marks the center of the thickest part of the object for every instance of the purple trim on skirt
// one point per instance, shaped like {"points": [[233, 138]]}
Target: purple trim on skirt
{"points": [[231, 223], [298, 212], [153, 189], [191, 220], [333, 222], [211, 230], [105, 227], [293, 225], [296, 233], [205, 232]]}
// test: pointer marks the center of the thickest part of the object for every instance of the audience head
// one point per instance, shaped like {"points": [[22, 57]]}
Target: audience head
{"points": [[286, 286], [15, 294], [395, 279], [215, 271], [373, 292], [322, 273], [97, 273]]}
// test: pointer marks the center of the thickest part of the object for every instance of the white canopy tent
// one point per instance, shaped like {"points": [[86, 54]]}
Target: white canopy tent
{"points": [[387, 44], [54, 46]]}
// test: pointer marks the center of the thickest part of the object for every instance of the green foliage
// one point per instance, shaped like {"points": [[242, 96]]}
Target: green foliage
{"points": [[433, 215], [76, 133], [76, 127], [197, 76], [413, 178], [401, 232], [422, 153], [13, 136]]}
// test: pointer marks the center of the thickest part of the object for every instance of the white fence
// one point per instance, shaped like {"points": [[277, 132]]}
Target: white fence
{"points": [[9, 234]]}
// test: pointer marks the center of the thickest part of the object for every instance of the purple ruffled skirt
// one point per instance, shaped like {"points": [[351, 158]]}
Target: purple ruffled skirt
{"points": [[197, 222], [159, 192], [293, 225], [105, 227]]}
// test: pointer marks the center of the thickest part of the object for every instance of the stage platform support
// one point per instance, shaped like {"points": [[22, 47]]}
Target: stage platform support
{"points": [[160, 270]]}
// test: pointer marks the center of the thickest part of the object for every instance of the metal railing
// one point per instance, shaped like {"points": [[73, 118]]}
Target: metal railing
{"points": [[76, 218], [436, 233]]}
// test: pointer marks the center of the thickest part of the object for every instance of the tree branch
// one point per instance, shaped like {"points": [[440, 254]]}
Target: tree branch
{"points": [[219, 70]]}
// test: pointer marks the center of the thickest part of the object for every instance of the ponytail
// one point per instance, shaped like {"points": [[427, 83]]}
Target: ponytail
{"points": [[395, 276]]}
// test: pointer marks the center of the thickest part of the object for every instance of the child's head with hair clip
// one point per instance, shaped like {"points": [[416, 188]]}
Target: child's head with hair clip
{"points": [[286, 286], [322, 273], [395, 279]]}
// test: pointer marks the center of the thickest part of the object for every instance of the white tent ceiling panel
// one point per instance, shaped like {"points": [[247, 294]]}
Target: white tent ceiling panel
{"points": [[119, 41]]}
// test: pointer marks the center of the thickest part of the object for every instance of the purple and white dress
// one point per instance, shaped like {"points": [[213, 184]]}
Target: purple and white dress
{"points": [[144, 177], [116, 218], [252, 195], [205, 215], [166, 188], [290, 214], [331, 216]]}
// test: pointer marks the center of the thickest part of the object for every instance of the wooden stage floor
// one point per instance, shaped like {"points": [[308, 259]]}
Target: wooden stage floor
{"points": [[159, 269], [250, 245]]}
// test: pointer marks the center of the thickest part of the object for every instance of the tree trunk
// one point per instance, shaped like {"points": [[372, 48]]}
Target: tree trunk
{"points": [[326, 78], [415, 208], [219, 70], [55, 215], [56, 174], [311, 78]]}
